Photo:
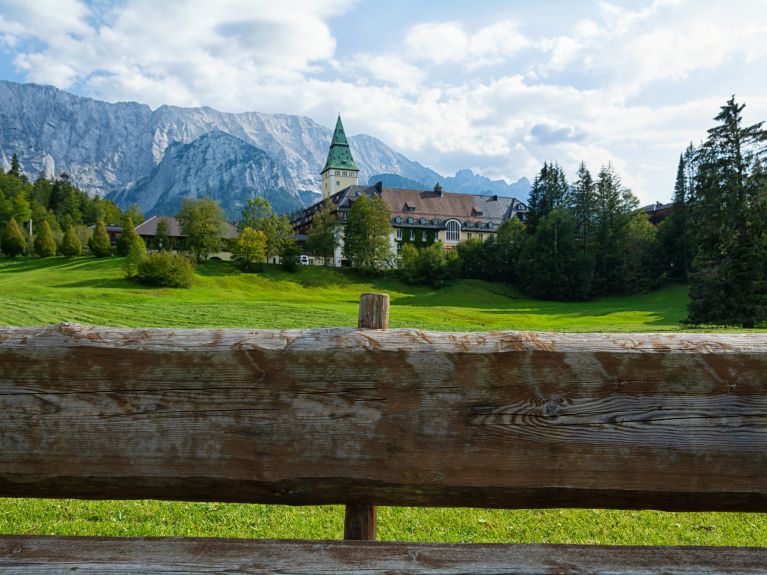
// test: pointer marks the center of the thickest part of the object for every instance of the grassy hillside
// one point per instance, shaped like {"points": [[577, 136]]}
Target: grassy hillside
{"points": [[90, 291]]}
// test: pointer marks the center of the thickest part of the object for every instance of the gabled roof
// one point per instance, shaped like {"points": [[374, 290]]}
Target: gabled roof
{"points": [[340, 154], [149, 228]]}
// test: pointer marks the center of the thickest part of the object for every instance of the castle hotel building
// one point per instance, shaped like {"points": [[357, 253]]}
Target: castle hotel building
{"points": [[417, 216]]}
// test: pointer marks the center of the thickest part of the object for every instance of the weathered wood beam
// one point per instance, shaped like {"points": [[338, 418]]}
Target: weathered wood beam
{"points": [[396, 417], [20, 555]]}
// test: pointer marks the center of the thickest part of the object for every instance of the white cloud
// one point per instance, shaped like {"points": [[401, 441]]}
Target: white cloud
{"points": [[442, 43]]}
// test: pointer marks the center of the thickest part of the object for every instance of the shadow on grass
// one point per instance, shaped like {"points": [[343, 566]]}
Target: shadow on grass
{"points": [[13, 265], [216, 268], [103, 283]]}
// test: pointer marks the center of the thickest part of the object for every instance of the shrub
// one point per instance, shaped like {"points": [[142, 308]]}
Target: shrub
{"points": [[290, 254], [13, 241], [70, 245], [166, 269], [428, 266]]}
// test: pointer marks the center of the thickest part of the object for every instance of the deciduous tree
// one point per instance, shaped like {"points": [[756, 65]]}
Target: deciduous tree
{"points": [[202, 222], [366, 235]]}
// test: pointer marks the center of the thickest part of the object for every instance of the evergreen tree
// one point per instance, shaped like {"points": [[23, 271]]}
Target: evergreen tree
{"points": [[70, 245], [548, 192], [551, 264], [135, 257], [323, 239], [45, 245], [729, 269], [99, 242], [127, 238], [582, 205], [366, 234], [16, 170], [674, 233], [614, 207], [13, 241], [202, 222], [134, 213]]}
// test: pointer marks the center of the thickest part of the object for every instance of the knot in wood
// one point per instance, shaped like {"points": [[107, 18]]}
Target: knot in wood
{"points": [[550, 408]]}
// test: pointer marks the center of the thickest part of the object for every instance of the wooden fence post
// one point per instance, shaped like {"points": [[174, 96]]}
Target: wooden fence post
{"points": [[360, 519]]}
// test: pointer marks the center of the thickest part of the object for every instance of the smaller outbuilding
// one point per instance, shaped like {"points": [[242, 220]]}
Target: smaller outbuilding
{"points": [[175, 237]]}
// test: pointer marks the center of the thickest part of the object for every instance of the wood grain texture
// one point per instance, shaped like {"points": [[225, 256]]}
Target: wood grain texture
{"points": [[21, 555], [397, 417], [374, 311]]}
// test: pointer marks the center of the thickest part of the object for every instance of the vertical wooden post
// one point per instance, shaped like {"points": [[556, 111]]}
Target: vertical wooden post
{"points": [[360, 518]]}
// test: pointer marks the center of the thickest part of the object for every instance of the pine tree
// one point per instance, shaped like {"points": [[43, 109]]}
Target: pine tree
{"points": [[99, 242], [614, 207], [13, 241], [551, 264], [70, 245], [16, 170], [45, 245], [582, 205], [728, 277], [127, 238], [136, 255], [674, 233], [548, 192]]}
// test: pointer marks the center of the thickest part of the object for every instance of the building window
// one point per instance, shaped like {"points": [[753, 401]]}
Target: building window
{"points": [[482, 237], [399, 249], [468, 236], [338, 182], [452, 231], [412, 235], [424, 236], [399, 233], [338, 173]]}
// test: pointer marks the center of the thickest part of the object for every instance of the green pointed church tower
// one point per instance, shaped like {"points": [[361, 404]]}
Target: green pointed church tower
{"points": [[340, 171]]}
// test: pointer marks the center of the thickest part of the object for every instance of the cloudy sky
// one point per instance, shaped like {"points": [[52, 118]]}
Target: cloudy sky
{"points": [[498, 86]]}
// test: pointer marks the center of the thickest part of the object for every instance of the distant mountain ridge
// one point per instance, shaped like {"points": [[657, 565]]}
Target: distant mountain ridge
{"points": [[132, 153]]}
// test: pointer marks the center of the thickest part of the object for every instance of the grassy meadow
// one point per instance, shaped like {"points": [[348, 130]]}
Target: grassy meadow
{"points": [[93, 292], [89, 291]]}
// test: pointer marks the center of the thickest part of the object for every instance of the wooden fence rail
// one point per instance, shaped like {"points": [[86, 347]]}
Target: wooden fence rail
{"points": [[372, 417], [398, 417]]}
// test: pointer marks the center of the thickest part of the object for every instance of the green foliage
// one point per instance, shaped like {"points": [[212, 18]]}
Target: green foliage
{"points": [[99, 243], [166, 269], [639, 267], [127, 238], [582, 203], [548, 192], [289, 257], [136, 255], [615, 205], [134, 214], [551, 264], [13, 242], [729, 219], [675, 241], [429, 265], [70, 245], [45, 245], [366, 235], [202, 222], [258, 215], [323, 238], [250, 249], [162, 237]]}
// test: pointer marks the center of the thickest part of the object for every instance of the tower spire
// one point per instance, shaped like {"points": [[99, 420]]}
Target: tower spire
{"points": [[340, 171]]}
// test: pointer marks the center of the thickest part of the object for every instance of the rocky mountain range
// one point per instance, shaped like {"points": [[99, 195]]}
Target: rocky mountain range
{"points": [[155, 158]]}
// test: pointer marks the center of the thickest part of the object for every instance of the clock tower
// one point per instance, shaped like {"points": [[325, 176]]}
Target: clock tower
{"points": [[340, 171]]}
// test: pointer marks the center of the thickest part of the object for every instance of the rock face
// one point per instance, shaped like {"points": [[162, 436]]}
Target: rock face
{"points": [[156, 157]]}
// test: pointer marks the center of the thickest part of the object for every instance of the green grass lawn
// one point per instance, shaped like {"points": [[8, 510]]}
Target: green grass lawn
{"points": [[88, 291]]}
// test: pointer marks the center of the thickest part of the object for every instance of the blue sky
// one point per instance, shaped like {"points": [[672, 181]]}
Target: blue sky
{"points": [[496, 86]]}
